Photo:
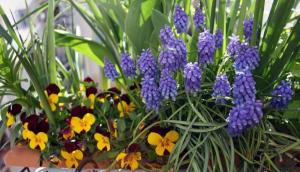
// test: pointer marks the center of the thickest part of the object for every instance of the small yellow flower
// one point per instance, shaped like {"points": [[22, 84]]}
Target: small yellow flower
{"points": [[103, 142], [10, 119], [84, 124], [92, 100], [72, 158], [115, 128], [129, 159], [26, 133], [53, 100], [125, 108], [40, 139], [163, 143]]}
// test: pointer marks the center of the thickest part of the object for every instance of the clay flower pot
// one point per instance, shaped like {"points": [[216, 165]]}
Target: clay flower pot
{"points": [[22, 156]]}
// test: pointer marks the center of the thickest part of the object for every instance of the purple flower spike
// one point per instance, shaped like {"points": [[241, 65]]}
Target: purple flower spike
{"points": [[147, 64], [167, 85], [128, 65], [206, 48], [110, 70], [180, 52], [242, 117], [192, 77], [234, 46], [166, 36], [219, 38], [167, 60], [180, 19], [243, 88], [281, 95], [198, 19], [247, 58], [248, 27], [221, 89], [150, 93]]}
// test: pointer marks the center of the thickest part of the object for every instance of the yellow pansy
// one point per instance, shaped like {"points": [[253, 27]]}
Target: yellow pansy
{"points": [[115, 128], [26, 133], [125, 108], [92, 97], [103, 142], [163, 143], [72, 158], [68, 134], [129, 160], [84, 124], [40, 139], [53, 100], [10, 119]]}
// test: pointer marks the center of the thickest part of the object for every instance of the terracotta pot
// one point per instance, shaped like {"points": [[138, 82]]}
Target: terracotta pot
{"points": [[23, 156]]}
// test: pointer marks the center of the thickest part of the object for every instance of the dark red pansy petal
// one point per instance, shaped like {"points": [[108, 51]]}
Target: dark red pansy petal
{"points": [[23, 117], [43, 126], [114, 90], [102, 131], [135, 86], [32, 123], [91, 90], [52, 89], [88, 79], [159, 130], [133, 148], [14, 109], [77, 111], [125, 98], [71, 145], [102, 95]]}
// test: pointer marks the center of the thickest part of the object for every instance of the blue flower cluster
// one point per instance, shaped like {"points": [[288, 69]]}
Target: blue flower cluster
{"points": [[198, 19], [110, 70], [234, 46], [247, 58], [167, 60], [244, 116], [243, 88], [147, 64], [192, 77], [128, 65], [281, 95], [179, 48], [206, 48], [167, 85], [219, 38], [221, 89], [150, 93], [166, 35], [248, 27], [180, 19]]}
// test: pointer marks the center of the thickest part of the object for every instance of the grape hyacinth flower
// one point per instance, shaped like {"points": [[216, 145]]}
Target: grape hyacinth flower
{"points": [[248, 27], [150, 93], [198, 19], [180, 52], [234, 46], [247, 59], [219, 38], [167, 85], [180, 19], [243, 88], [206, 48], [221, 89], [147, 64], [166, 35], [128, 65], [110, 70], [192, 77], [281, 95], [244, 116], [167, 60]]}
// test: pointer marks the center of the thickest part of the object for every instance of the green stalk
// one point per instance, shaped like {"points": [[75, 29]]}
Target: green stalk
{"points": [[51, 43], [243, 10], [212, 16], [258, 13], [233, 14]]}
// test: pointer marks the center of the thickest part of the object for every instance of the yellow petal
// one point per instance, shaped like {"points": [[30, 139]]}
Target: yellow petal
{"points": [[42, 136], [75, 124], [172, 136], [52, 106], [71, 164], [154, 138], [92, 100], [33, 143], [138, 155], [65, 154], [170, 147], [160, 150], [98, 136], [89, 118], [53, 98], [42, 145], [10, 119], [133, 164], [121, 156], [77, 154]]}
